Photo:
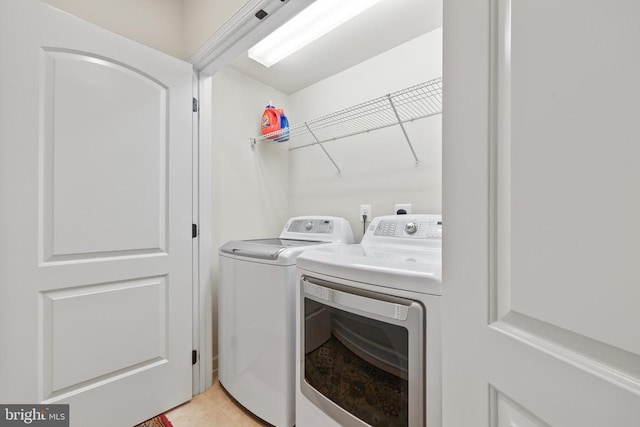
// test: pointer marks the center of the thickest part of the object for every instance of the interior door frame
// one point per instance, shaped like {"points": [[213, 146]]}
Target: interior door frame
{"points": [[198, 375], [238, 34]]}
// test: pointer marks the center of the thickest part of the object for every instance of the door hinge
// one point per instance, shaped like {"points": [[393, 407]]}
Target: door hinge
{"points": [[194, 105], [194, 231], [194, 357]]}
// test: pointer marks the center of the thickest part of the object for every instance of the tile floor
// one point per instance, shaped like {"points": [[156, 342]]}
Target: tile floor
{"points": [[213, 408]]}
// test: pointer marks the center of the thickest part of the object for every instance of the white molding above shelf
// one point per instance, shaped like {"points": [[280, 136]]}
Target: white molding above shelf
{"points": [[413, 103]]}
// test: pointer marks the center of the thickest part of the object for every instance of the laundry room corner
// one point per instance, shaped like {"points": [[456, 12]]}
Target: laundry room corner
{"points": [[256, 186], [250, 183]]}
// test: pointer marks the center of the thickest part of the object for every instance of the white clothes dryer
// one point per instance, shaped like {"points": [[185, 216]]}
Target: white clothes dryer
{"points": [[256, 305], [368, 328]]}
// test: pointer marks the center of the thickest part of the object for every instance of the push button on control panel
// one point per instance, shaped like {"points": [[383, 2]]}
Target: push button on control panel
{"points": [[411, 227]]}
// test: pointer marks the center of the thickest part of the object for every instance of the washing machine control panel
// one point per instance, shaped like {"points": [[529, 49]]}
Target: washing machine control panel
{"points": [[319, 226], [414, 229]]}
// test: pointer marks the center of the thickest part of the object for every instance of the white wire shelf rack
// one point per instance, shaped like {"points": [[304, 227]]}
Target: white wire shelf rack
{"points": [[413, 103]]}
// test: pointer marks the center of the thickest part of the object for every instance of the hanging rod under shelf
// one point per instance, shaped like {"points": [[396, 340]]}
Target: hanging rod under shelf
{"points": [[397, 108]]}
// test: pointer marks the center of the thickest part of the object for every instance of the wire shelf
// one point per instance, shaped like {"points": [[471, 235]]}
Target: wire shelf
{"points": [[416, 102]]}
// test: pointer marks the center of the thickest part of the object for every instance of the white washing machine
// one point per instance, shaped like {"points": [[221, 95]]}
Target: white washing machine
{"points": [[368, 328], [256, 305]]}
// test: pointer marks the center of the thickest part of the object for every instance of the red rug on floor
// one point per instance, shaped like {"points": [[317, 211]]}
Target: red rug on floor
{"points": [[159, 421]]}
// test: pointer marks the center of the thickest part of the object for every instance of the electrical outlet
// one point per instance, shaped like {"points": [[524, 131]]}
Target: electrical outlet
{"points": [[406, 207], [365, 210]]}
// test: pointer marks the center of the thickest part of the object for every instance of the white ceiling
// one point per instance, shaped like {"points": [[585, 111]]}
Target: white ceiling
{"points": [[378, 29]]}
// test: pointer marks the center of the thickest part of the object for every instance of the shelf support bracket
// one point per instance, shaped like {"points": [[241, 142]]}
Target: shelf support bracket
{"points": [[323, 149], [404, 131]]}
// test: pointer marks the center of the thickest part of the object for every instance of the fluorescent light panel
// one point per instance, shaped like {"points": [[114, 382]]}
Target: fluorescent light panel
{"points": [[312, 23]]}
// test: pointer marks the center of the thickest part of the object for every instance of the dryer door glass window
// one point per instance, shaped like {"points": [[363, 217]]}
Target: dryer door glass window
{"points": [[359, 363]]}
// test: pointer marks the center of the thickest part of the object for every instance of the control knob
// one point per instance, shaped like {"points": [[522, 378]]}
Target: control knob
{"points": [[411, 227]]}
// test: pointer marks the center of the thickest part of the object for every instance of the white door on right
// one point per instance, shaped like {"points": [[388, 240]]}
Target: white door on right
{"points": [[541, 306]]}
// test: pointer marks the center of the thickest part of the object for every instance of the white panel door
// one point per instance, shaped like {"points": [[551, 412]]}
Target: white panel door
{"points": [[95, 219], [541, 256]]}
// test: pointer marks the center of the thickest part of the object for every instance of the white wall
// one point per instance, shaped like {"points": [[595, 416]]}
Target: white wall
{"points": [[377, 167], [250, 184], [176, 27], [155, 23], [202, 18]]}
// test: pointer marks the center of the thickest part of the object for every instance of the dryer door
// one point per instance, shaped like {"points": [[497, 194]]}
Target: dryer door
{"points": [[363, 360]]}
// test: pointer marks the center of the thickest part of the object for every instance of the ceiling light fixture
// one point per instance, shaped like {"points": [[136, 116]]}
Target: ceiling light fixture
{"points": [[312, 23]]}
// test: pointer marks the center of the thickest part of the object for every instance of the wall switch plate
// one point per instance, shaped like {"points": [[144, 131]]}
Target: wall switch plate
{"points": [[400, 207], [365, 210]]}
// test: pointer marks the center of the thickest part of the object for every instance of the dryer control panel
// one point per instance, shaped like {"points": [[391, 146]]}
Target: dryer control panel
{"points": [[417, 227]]}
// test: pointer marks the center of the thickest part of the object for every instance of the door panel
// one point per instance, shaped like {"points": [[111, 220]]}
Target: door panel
{"points": [[141, 321], [564, 258], [574, 157], [123, 152], [95, 189], [540, 262]]}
